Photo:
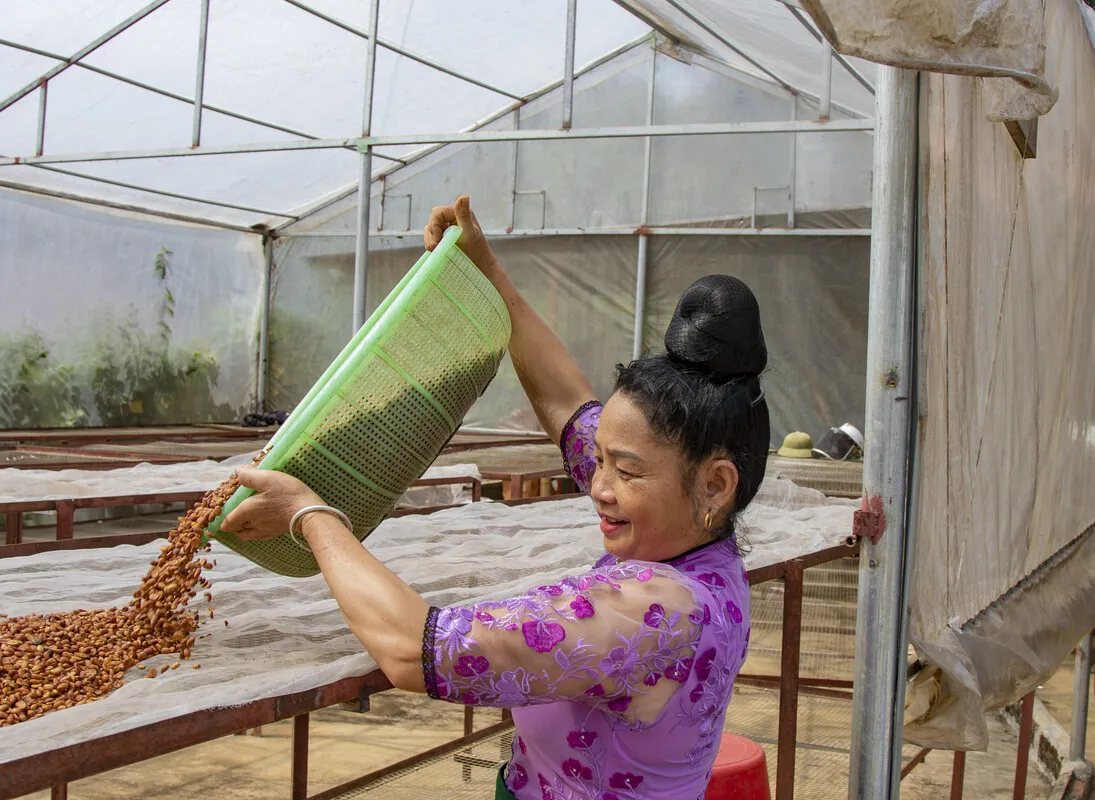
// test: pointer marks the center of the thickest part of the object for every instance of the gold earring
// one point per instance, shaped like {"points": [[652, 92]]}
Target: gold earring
{"points": [[707, 521]]}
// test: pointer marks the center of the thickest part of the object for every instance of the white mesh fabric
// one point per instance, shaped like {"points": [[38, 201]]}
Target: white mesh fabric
{"points": [[287, 635], [19, 485]]}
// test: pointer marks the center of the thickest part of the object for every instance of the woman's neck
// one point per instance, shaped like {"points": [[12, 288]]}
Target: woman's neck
{"points": [[702, 543]]}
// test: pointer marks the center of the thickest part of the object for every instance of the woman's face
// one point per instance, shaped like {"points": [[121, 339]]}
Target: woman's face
{"points": [[646, 511]]}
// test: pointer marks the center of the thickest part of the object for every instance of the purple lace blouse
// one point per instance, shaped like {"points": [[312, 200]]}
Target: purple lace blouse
{"points": [[618, 679]]}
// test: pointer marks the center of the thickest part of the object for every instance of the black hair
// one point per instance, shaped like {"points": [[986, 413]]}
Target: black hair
{"points": [[703, 394]]}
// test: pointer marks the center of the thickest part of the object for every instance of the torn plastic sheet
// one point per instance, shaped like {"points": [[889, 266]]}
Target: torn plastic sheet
{"points": [[1004, 652], [1001, 40]]}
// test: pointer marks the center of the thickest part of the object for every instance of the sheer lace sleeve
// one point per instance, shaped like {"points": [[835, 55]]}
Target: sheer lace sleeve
{"points": [[622, 636], [577, 444]]}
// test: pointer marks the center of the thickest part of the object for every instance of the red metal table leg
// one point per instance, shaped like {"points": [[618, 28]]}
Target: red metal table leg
{"points": [[300, 757], [788, 682], [916, 760], [958, 775], [1022, 759], [59, 791], [66, 511], [469, 726], [13, 528]]}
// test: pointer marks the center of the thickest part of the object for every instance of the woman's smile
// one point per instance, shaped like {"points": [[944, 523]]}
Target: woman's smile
{"points": [[611, 526]]}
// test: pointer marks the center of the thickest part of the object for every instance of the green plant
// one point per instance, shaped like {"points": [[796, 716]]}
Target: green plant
{"points": [[135, 379], [125, 375], [35, 390], [167, 304]]}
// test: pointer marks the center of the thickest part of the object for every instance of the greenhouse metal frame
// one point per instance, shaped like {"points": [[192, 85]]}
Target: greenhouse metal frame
{"points": [[882, 633]]}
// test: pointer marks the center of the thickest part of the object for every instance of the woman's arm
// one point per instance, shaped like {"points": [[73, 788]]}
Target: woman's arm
{"points": [[551, 378], [608, 638], [385, 614]]}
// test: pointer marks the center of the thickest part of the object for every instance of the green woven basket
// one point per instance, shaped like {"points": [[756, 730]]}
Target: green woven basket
{"points": [[384, 409]]}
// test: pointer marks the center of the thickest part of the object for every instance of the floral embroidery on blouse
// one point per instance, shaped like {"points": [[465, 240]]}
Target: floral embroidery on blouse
{"points": [[618, 679], [576, 443], [602, 638]]}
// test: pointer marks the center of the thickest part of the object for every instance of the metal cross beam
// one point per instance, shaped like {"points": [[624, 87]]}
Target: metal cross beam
{"points": [[98, 201], [175, 96], [53, 72], [733, 47], [621, 132], [394, 48], [422, 152], [844, 62], [163, 193]]}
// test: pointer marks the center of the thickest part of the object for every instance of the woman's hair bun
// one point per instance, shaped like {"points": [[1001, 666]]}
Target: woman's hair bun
{"points": [[716, 328]]}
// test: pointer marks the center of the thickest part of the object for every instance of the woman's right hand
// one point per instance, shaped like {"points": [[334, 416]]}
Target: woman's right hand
{"points": [[472, 241]]}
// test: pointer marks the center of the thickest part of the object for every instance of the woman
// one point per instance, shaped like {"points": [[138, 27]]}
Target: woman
{"points": [[619, 678]]}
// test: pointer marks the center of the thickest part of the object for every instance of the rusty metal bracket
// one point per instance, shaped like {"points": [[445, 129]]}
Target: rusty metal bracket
{"points": [[869, 522]]}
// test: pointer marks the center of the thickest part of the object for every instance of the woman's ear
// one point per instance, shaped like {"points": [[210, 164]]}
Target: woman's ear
{"points": [[720, 487]]}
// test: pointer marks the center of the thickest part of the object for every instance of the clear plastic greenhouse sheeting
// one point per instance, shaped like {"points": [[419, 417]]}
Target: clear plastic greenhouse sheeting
{"points": [[750, 34], [21, 485], [1008, 436], [812, 292], [282, 66], [696, 180], [113, 319], [287, 635]]}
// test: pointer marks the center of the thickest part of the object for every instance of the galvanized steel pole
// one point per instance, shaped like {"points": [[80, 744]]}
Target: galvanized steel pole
{"points": [[199, 82], [262, 389], [40, 139], [644, 218], [881, 627], [825, 105], [1080, 699], [792, 180], [364, 180], [516, 164], [568, 64]]}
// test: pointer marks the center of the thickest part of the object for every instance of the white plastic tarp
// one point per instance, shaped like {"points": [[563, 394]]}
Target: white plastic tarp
{"points": [[92, 333], [762, 38], [1005, 564], [1001, 40], [813, 296], [276, 63], [694, 180], [811, 290]]}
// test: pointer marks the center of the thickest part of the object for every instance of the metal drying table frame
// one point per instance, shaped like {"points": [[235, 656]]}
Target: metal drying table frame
{"points": [[65, 509], [54, 769], [211, 432], [128, 451]]}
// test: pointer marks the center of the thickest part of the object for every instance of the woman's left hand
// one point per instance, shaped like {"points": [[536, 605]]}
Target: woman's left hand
{"points": [[267, 513]]}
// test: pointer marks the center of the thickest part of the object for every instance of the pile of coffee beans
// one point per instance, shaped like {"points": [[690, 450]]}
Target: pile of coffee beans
{"points": [[62, 660]]}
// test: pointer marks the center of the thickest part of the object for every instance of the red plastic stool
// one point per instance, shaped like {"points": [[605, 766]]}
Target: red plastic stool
{"points": [[740, 771]]}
